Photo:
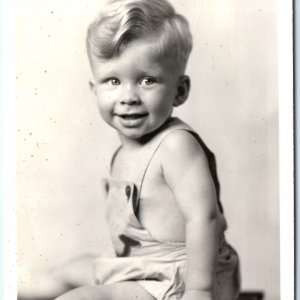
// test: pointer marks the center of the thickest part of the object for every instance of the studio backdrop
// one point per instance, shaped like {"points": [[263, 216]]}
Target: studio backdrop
{"points": [[64, 147]]}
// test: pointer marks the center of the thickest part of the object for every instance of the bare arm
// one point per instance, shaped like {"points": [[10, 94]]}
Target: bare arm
{"points": [[186, 171]]}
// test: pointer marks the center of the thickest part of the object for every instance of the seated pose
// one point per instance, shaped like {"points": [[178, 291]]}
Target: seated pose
{"points": [[162, 198]]}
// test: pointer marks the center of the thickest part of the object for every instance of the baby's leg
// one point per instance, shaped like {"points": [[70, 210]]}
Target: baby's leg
{"points": [[128, 290]]}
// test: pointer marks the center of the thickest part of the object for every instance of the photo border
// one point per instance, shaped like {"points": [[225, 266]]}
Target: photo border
{"points": [[286, 145]]}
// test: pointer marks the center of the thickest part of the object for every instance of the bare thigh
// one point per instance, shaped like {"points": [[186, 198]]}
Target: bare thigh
{"points": [[128, 290]]}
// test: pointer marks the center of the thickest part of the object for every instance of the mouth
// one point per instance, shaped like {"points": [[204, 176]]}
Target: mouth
{"points": [[130, 117], [132, 120]]}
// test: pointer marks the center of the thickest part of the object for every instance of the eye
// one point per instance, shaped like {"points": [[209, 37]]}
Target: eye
{"points": [[147, 81], [113, 81]]}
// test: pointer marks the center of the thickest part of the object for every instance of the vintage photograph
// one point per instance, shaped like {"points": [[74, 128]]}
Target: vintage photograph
{"points": [[147, 150]]}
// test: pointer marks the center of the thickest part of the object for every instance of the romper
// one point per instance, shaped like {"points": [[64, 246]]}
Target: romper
{"points": [[157, 266]]}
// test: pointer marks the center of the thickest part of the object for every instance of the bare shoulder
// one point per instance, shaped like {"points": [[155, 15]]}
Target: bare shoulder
{"points": [[181, 145], [185, 169]]}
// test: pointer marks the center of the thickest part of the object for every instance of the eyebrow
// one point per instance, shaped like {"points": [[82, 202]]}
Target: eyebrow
{"points": [[147, 74], [101, 78]]}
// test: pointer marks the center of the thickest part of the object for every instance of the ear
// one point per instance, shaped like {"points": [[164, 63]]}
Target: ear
{"points": [[93, 87], [183, 89]]}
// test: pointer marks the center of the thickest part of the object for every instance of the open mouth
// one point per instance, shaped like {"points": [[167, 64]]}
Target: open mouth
{"points": [[132, 120], [132, 116]]}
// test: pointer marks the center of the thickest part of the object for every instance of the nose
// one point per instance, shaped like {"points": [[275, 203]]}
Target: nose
{"points": [[129, 96], [129, 100]]}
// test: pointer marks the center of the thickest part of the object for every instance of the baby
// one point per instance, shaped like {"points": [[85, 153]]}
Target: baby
{"points": [[166, 222]]}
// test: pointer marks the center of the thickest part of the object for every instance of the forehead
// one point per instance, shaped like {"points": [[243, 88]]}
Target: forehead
{"points": [[141, 54]]}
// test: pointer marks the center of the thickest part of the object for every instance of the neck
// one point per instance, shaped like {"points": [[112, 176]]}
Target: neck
{"points": [[129, 143], [140, 142]]}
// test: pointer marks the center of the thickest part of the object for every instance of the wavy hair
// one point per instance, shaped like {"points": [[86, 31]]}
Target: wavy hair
{"points": [[123, 21]]}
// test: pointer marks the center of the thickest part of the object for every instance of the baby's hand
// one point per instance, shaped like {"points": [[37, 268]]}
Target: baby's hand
{"points": [[197, 295]]}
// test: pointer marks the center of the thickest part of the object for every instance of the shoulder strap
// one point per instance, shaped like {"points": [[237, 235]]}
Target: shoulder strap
{"points": [[113, 159], [212, 165], [174, 125]]}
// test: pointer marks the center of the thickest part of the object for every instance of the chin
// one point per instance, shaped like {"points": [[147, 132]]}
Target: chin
{"points": [[134, 136], [131, 134]]}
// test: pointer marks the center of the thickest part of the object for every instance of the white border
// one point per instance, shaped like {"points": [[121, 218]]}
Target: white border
{"points": [[286, 161], [285, 64], [8, 115]]}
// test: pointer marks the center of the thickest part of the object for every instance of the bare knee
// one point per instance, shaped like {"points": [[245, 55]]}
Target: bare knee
{"points": [[85, 293], [122, 290]]}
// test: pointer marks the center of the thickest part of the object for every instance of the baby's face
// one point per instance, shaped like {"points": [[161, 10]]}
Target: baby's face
{"points": [[135, 91]]}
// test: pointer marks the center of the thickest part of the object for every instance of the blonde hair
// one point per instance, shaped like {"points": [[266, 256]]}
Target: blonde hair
{"points": [[123, 21]]}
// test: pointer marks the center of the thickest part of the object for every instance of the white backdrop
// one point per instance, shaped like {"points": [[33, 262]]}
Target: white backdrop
{"points": [[64, 147]]}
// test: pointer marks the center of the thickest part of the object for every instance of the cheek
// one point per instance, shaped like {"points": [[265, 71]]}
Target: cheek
{"points": [[163, 102], [104, 100], [104, 107], [105, 111]]}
